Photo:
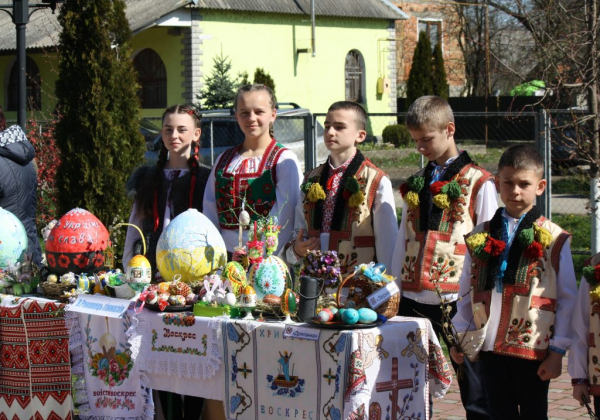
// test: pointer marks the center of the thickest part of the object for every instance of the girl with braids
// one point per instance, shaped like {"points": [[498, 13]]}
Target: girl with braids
{"points": [[162, 192], [259, 175]]}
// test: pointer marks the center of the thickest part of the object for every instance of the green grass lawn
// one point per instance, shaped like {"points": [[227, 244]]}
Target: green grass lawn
{"points": [[579, 227]]}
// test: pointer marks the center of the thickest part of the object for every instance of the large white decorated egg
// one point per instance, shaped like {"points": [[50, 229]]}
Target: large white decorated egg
{"points": [[13, 239], [190, 246]]}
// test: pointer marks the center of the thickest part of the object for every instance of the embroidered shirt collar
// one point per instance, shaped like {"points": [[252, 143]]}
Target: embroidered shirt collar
{"points": [[341, 168]]}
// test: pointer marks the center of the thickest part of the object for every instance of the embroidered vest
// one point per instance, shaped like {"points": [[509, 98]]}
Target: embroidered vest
{"points": [[594, 335], [437, 256], [528, 305], [354, 241], [258, 189]]}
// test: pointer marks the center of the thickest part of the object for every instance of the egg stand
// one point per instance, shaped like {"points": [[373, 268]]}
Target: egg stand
{"points": [[143, 248]]}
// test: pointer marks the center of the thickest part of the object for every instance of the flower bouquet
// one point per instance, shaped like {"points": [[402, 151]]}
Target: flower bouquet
{"points": [[324, 266]]}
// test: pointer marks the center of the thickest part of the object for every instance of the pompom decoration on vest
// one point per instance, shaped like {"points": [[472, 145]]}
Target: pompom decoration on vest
{"points": [[190, 246], [13, 239], [77, 243]]}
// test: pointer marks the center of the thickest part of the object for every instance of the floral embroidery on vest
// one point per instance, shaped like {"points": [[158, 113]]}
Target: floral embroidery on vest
{"points": [[257, 189]]}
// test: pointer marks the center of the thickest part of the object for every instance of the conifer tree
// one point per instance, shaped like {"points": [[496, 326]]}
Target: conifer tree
{"points": [[439, 80], [220, 89], [419, 78], [264, 78], [99, 109]]}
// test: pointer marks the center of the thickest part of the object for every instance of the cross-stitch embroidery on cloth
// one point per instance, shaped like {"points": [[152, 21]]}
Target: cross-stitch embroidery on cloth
{"points": [[35, 372]]}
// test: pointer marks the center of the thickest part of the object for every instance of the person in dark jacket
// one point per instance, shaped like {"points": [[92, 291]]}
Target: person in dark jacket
{"points": [[18, 182]]}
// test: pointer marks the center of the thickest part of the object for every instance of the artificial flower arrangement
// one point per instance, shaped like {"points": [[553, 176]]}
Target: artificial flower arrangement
{"points": [[443, 192], [352, 192], [322, 265], [19, 278], [534, 240], [592, 274]]}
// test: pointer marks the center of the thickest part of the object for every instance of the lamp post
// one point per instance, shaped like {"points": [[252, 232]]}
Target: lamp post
{"points": [[20, 15]]}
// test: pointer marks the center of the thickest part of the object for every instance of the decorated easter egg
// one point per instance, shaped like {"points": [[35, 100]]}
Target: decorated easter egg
{"points": [[77, 243], [366, 316], [190, 246], [176, 300], [325, 315], [248, 297], [163, 286], [350, 316], [269, 277], [272, 300], [339, 315], [138, 272], [230, 299], [13, 239], [83, 283], [288, 302], [235, 273]]}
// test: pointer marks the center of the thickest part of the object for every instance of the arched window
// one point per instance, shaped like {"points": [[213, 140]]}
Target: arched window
{"points": [[152, 78], [32, 83], [355, 77]]}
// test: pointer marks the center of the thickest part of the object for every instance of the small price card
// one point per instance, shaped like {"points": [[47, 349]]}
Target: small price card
{"points": [[382, 295]]}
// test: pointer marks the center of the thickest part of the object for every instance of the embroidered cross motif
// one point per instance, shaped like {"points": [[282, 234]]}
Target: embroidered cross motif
{"points": [[330, 376], [394, 385], [244, 370]]}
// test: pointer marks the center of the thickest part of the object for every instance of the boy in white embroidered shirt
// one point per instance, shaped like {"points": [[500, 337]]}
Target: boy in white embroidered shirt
{"points": [[519, 275], [442, 203], [348, 203]]}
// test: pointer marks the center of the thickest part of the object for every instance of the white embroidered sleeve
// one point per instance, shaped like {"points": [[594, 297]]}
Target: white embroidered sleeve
{"points": [[566, 297], [580, 327]]}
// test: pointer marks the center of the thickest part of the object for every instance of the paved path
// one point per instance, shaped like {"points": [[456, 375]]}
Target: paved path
{"points": [[561, 405]]}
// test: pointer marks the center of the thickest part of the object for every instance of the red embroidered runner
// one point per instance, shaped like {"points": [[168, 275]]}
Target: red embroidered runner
{"points": [[35, 371]]}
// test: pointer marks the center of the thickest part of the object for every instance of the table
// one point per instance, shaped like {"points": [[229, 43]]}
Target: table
{"points": [[263, 373]]}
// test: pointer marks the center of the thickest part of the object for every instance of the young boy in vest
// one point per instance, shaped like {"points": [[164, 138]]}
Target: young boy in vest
{"points": [[442, 203], [519, 275], [348, 203], [585, 353]]}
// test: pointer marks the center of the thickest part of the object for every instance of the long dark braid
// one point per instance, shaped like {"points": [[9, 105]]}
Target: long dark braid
{"points": [[147, 201]]}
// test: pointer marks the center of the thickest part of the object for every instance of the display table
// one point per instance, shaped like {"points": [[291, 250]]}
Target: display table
{"points": [[35, 373], [259, 371]]}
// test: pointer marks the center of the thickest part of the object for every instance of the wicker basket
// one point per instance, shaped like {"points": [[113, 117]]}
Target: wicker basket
{"points": [[359, 287], [55, 290]]}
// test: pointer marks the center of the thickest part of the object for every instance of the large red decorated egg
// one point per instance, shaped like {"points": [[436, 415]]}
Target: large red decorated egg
{"points": [[77, 243]]}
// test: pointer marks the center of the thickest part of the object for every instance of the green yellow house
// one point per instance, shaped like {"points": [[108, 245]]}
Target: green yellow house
{"points": [[350, 54]]}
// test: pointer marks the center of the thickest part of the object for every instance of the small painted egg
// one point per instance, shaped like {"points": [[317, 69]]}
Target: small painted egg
{"points": [[272, 300], [366, 316], [334, 310], [339, 314], [52, 278], [164, 286], [350, 316], [230, 299], [191, 299], [381, 318], [152, 297], [174, 300], [325, 315]]}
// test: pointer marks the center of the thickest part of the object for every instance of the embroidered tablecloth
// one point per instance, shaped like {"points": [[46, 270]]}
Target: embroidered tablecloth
{"points": [[35, 373], [392, 369], [109, 382], [376, 373], [177, 344]]}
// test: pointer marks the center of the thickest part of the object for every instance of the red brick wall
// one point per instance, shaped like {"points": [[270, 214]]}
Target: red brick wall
{"points": [[407, 33]]}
